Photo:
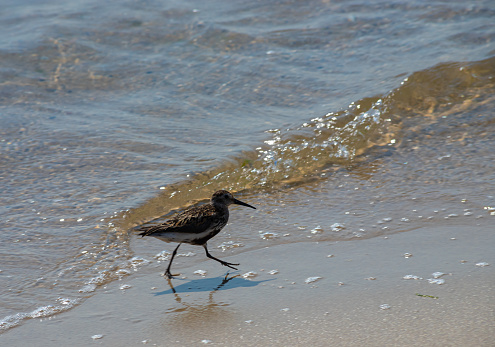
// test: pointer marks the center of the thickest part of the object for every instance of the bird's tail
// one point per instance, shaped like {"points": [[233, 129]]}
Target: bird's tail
{"points": [[146, 230]]}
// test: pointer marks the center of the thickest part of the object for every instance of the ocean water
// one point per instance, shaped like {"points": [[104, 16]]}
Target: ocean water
{"points": [[338, 120]]}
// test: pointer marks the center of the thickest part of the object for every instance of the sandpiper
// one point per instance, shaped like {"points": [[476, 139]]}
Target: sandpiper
{"points": [[196, 225]]}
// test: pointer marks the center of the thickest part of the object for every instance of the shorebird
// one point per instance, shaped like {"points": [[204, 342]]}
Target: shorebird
{"points": [[196, 225]]}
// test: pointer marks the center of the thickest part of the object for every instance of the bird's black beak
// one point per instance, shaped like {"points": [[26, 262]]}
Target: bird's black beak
{"points": [[238, 202]]}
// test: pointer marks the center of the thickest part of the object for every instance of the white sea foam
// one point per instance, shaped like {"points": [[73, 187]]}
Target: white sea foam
{"points": [[63, 304]]}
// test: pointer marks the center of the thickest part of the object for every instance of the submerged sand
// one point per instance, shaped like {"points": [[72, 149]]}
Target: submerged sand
{"points": [[357, 296]]}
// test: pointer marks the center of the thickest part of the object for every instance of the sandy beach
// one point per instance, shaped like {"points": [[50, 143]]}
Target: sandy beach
{"points": [[357, 295]]}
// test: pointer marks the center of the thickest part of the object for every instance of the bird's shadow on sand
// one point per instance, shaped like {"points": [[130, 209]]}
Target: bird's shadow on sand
{"points": [[210, 284]]}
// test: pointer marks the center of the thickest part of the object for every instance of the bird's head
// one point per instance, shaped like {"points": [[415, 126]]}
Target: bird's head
{"points": [[223, 197]]}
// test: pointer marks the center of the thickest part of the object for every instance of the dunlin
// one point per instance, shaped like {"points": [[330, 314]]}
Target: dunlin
{"points": [[196, 225]]}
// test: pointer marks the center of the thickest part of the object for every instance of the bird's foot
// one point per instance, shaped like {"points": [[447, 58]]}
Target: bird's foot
{"points": [[224, 263], [169, 275]]}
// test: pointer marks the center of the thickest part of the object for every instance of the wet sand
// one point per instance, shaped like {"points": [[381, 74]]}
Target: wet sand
{"points": [[361, 298]]}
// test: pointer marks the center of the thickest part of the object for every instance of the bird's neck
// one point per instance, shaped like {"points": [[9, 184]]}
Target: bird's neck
{"points": [[221, 208]]}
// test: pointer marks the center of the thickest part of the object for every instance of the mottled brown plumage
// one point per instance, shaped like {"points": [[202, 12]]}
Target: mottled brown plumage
{"points": [[196, 225]]}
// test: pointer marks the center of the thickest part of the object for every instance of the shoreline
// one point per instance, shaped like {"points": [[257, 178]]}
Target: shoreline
{"points": [[360, 299]]}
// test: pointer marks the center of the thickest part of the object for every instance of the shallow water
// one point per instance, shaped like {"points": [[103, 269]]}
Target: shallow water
{"points": [[336, 120]]}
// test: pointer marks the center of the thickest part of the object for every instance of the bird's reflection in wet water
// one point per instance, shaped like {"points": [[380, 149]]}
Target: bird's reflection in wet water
{"points": [[210, 284], [196, 311]]}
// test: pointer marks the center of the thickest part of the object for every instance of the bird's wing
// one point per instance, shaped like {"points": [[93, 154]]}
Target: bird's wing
{"points": [[193, 221]]}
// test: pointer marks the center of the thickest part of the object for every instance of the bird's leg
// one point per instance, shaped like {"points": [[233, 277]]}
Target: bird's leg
{"points": [[224, 263], [167, 273]]}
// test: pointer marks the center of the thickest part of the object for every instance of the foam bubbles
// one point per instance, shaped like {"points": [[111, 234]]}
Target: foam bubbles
{"points": [[64, 304], [201, 273], [312, 279], [482, 264], [162, 256], [267, 235], [438, 281], [412, 277], [138, 261], [337, 227], [229, 244], [317, 230], [437, 274], [88, 288], [250, 274]]}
